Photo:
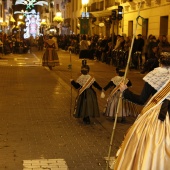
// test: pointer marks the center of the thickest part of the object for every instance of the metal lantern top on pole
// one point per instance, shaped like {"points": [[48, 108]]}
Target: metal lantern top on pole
{"points": [[85, 3]]}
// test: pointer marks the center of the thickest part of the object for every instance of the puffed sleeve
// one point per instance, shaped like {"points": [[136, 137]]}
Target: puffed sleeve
{"points": [[75, 84], [129, 84], [97, 86], [141, 99], [109, 85]]}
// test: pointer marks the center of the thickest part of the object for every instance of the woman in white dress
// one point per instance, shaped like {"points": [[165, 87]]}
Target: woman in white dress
{"points": [[147, 143]]}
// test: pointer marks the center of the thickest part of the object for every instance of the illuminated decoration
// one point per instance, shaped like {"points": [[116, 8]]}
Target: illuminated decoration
{"points": [[32, 18], [43, 22], [25, 13], [32, 24], [58, 17], [30, 3]]}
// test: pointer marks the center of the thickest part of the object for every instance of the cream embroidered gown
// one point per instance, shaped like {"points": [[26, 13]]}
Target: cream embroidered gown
{"points": [[147, 143]]}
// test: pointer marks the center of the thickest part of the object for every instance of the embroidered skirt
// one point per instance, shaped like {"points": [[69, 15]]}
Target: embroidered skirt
{"points": [[126, 108], [146, 145], [50, 58], [87, 104]]}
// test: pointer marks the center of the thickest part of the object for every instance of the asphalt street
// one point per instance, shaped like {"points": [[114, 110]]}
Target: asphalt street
{"points": [[38, 130]]}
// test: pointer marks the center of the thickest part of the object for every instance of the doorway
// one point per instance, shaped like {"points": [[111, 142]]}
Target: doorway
{"points": [[130, 28], [164, 28], [145, 28]]}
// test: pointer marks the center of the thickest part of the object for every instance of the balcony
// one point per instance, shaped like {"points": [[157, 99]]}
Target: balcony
{"points": [[96, 6]]}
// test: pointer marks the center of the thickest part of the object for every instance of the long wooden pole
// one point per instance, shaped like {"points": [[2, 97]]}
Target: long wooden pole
{"points": [[120, 96], [71, 91]]}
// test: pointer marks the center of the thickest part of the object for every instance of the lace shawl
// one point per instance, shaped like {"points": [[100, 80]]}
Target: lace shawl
{"points": [[83, 79], [158, 77], [117, 80]]}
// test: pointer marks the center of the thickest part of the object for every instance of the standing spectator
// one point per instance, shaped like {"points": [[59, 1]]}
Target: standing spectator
{"points": [[1, 47], [140, 45], [86, 105], [83, 48], [152, 61], [137, 48], [127, 44], [147, 140], [119, 43], [40, 43], [92, 49], [147, 41], [152, 42]]}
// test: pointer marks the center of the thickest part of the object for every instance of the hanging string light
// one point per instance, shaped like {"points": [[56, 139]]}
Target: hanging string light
{"points": [[30, 3]]}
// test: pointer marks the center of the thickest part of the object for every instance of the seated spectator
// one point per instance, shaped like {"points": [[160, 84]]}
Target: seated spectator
{"points": [[83, 48]]}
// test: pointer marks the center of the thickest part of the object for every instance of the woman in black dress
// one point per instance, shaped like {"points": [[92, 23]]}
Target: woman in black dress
{"points": [[86, 104]]}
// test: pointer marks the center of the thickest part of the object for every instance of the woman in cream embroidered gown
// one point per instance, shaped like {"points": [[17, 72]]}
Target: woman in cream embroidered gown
{"points": [[147, 143], [87, 104]]}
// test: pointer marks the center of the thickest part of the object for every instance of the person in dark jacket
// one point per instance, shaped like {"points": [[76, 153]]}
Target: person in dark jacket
{"points": [[137, 48], [153, 59]]}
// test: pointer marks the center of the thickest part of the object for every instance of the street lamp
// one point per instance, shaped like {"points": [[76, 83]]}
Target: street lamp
{"points": [[85, 3], [43, 25], [19, 23], [20, 17], [58, 18], [84, 20]]}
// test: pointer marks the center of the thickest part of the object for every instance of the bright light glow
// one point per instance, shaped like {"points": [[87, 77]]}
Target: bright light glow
{"points": [[58, 17], [19, 23], [85, 2], [20, 16], [43, 20], [101, 24], [58, 14]]}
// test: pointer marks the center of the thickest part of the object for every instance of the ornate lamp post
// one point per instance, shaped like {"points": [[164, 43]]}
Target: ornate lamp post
{"points": [[58, 19], [20, 23], [84, 20], [85, 3], [43, 25]]}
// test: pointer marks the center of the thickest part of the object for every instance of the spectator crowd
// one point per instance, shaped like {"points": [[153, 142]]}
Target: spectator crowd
{"points": [[111, 50]]}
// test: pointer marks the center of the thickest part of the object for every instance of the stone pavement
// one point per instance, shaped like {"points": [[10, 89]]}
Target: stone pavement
{"points": [[37, 129]]}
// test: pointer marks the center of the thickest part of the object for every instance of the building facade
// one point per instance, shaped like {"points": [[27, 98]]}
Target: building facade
{"points": [[6, 14], [155, 16]]}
